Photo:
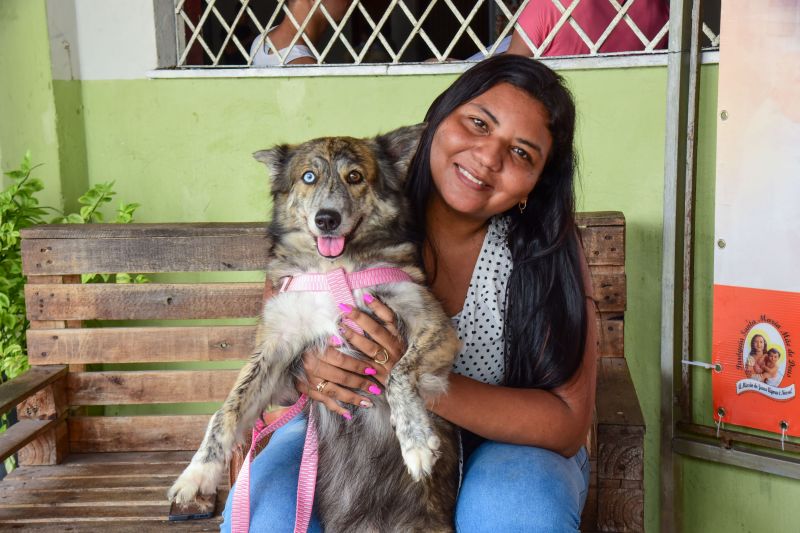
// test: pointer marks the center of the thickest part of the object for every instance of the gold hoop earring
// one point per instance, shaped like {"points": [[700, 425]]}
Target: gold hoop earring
{"points": [[522, 205]]}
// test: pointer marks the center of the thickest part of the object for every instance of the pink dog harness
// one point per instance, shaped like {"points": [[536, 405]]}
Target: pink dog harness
{"points": [[341, 285]]}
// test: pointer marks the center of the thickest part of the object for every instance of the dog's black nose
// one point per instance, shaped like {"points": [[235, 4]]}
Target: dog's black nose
{"points": [[327, 220]]}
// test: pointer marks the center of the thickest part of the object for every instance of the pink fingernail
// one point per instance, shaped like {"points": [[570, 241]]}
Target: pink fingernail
{"points": [[347, 415], [370, 371], [365, 403], [334, 340], [346, 308], [374, 390], [368, 298]]}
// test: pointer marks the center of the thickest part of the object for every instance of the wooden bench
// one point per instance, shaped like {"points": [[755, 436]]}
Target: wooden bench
{"points": [[91, 460]]}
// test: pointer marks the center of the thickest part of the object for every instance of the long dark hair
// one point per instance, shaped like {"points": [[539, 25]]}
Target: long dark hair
{"points": [[545, 314]]}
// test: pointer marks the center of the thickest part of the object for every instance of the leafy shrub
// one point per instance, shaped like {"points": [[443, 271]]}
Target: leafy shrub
{"points": [[19, 209]]}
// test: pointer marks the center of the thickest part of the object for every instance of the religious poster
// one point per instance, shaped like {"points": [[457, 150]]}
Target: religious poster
{"points": [[756, 328]]}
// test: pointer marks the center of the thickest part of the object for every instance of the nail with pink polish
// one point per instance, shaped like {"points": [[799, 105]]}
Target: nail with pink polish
{"points": [[365, 403], [374, 390], [347, 415], [345, 308], [370, 371], [368, 298], [334, 340]]}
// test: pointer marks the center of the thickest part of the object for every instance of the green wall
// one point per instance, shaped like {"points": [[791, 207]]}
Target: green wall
{"points": [[182, 149], [27, 106]]}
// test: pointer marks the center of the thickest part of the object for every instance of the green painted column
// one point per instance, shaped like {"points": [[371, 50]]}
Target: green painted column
{"points": [[27, 102]]}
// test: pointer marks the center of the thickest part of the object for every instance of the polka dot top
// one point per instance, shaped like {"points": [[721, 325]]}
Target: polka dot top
{"points": [[480, 322]]}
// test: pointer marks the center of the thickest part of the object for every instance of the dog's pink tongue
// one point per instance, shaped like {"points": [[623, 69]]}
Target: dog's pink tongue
{"points": [[330, 246]]}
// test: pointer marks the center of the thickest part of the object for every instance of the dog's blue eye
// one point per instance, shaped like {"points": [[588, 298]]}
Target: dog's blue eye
{"points": [[309, 178]]}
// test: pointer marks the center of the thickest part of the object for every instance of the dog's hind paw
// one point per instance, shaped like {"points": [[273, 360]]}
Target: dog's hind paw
{"points": [[196, 479]]}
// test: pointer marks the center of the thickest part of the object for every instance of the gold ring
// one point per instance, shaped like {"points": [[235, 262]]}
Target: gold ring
{"points": [[322, 385], [385, 356]]}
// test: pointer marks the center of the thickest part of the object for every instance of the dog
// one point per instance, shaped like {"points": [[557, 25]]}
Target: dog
{"points": [[339, 202]]}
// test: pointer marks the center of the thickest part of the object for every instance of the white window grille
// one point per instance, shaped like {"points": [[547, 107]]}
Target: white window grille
{"points": [[228, 33]]}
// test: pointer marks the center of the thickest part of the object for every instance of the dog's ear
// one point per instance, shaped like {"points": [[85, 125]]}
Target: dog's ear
{"points": [[399, 147], [275, 159]]}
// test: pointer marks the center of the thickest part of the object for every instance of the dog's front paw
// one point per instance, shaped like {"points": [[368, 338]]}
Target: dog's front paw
{"points": [[196, 479], [420, 450]]}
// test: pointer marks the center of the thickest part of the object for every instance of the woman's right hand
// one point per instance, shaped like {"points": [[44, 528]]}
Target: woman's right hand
{"points": [[331, 375]]}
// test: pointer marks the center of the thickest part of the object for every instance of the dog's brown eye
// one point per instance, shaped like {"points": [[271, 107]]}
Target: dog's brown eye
{"points": [[354, 177]]}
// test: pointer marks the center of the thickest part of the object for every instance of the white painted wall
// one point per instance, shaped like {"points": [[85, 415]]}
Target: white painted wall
{"points": [[108, 39]]}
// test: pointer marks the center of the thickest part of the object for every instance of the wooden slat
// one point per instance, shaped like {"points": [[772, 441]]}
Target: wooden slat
{"points": [[617, 402], [133, 433], [611, 330], [21, 434], [129, 345], [221, 229], [609, 288], [125, 526], [122, 388], [620, 452], [159, 230], [101, 470], [620, 507], [14, 391], [73, 249], [600, 218], [74, 498], [127, 458], [604, 245], [100, 301], [119, 482], [144, 254]]}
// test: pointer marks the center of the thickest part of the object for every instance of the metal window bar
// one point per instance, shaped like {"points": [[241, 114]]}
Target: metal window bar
{"points": [[219, 20]]}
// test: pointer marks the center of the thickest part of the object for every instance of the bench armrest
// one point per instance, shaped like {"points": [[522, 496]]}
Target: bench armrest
{"points": [[16, 391]]}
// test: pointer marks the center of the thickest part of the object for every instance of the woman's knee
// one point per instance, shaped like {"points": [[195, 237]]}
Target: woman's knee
{"points": [[520, 488]]}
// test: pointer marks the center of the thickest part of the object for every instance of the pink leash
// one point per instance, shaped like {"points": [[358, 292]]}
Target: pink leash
{"points": [[341, 286]]}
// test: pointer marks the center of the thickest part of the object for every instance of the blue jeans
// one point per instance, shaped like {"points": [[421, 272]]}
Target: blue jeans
{"points": [[505, 488]]}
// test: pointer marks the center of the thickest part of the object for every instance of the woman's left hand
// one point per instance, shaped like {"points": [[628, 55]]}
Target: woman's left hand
{"points": [[384, 345]]}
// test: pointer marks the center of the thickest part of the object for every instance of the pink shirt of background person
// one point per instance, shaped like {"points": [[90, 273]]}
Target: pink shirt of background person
{"points": [[593, 16]]}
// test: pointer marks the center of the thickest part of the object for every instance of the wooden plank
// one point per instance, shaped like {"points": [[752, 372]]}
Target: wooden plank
{"points": [[620, 510], [162, 482], [159, 230], [100, 470], [609, 288], [611, 329], [73, 249], [604, 245], [134, 433], [123, 388], [104, 516], [599, 218], [620, 452], [139, 345], [616, 402], [50, 446], [100, 301], [10, 498], [35, 379], [127, 458], [126, 526], [149, 301], [222, 229], [144, 254], [21, 434]]}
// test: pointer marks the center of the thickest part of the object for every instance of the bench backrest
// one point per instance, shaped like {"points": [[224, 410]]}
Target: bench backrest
{"points": [[167, 323]]}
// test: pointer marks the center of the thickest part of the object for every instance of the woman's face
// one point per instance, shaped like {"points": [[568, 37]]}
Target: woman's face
{"points": [[488, 154], [758, 343]]}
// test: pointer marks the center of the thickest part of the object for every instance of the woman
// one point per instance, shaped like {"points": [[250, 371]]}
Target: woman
{"points": [[754, 366], [284, 34], [492, 181]]}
